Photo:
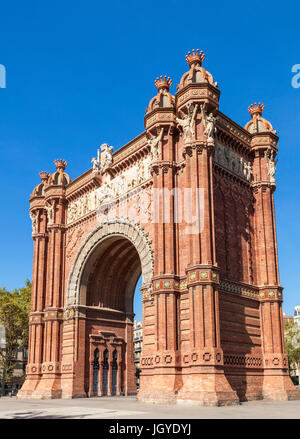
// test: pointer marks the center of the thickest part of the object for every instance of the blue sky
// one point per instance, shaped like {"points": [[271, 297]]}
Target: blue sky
{"points": [[80, 73]]}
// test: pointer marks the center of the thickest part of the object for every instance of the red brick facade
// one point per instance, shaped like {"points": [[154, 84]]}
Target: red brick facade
{"points": [[212, 315]]}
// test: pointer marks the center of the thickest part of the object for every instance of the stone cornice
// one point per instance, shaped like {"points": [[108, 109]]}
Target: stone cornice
{"points": [[54, 191], [197, 92], [129, 148], [239, 138], [160, 116], [264, 140], [39, 235], [90, 182], [239, 288], [264, 185], [37, 203]]}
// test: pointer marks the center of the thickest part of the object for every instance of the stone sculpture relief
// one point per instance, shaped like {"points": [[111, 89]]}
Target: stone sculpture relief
{"points": [[104, 158], [209, 121], [96, 162], [225, 157], [106, 155], [50, 212], [271, 164], [187, 124], [154, 143], [110, 190], [34, 219]]}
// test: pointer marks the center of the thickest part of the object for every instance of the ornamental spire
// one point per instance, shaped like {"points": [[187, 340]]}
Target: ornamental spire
{"points": [[60, 164], [163, 82], [44, 175], [195, 57], [256, 109]]}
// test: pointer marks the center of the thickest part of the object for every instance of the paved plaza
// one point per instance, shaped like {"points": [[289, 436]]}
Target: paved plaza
{"points": [[130, 408]]}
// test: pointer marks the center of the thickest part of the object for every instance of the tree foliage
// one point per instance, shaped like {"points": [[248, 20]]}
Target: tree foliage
{"points": [[14, 309], [292, 343]]}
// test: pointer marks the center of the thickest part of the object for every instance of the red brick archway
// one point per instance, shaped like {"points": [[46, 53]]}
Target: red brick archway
{"points": [[189, 203], [101, 285]]}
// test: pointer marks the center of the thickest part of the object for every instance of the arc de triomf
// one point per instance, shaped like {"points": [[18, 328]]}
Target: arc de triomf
{"points": [[189, 205]]}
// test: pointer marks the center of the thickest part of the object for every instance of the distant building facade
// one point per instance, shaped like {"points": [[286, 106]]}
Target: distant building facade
{"points": [[295, 372], [20, 361], [137, 342], [297, 315]]}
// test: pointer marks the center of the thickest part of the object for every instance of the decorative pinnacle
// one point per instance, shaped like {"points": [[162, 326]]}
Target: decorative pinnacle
{"points": [[163, 82], [60, 164], [44, 175], [256, 109], [195, 57]]}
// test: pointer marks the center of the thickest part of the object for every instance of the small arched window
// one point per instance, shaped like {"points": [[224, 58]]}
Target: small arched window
{"points": [[198, 76], [96, 356], [165, 101]]}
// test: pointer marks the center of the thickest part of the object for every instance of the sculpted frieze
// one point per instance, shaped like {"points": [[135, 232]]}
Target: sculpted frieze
{"points": [[226, 157], [111, 189]]}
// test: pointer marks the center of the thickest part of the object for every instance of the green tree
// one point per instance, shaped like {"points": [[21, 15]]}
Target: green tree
{"points": [[292, 344], [14, 310]]}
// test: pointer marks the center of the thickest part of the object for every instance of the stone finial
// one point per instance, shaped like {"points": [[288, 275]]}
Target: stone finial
{"points": [[60, 164], [256, 109], [163, 82], [44, 176], [195, 57]]}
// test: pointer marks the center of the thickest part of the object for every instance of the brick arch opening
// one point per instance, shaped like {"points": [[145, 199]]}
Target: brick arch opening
{"points": [[104, 276], [101, 239], [111, 274]]}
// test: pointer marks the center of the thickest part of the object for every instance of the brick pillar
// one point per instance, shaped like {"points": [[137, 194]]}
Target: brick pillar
{"points": [[101, 350], [73, 383], [277, 383], [36, 324], [160, 331], [119, 375], [49, 385], [110, 362], [130, 382], [203, 377]]}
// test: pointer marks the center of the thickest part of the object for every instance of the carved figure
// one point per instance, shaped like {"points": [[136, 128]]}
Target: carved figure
{"points": [[140, 172], [248, 170], [210, 125], [50, 212], [271, 165], [34, 219], [96, 161], [187, 124], [106, 155], [154, 143]]}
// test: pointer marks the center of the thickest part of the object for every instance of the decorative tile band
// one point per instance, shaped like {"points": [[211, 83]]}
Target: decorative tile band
{"points": [[243, 361], [239, 289], [167, 284]]}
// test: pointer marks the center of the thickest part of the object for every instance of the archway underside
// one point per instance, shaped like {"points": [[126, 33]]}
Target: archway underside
{"points": [[113, 275]]}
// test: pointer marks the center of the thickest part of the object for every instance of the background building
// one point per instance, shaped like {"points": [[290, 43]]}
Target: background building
{"points": [[20, 361], [297, 315], [137, 342], [295, 372]]}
